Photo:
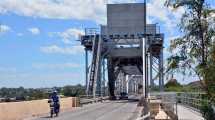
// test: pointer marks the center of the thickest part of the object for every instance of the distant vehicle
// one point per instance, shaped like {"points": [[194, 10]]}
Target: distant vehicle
{"points": [[123, 96]]}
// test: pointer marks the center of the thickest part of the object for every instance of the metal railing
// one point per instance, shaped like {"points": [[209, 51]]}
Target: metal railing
{"points": [[193, 100], [190, 99], [168, 103]]}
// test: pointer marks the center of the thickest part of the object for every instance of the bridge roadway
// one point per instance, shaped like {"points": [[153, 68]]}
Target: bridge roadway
{"points": [[108, 110]]}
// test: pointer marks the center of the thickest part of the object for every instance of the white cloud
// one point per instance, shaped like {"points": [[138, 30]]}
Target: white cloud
{"points": [[83, 9], [160, 13], [34, 31], [69, 35], [4, 28], [59, 9], [56, 66], [54, 49]]}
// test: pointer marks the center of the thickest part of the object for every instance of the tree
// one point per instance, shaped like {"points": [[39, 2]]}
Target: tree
{"points": [[173, 85], [195, 49], [73, 90]]}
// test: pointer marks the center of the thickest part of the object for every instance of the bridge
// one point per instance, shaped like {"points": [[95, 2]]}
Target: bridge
{"points": [[126, 57], [130, 49], [128, 53], [122, 110], [130, 110]]}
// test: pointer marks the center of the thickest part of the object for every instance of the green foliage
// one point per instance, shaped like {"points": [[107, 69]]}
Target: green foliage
{"points": [[40, 93], [23, 94], [173, 85], [207, 111], [73, 91], [12, 92], [174, 89], [208, 73], [195, 47], [37, 94]]}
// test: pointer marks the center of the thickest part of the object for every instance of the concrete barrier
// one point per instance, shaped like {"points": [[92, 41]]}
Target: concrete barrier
{"points": [[21, 110]]}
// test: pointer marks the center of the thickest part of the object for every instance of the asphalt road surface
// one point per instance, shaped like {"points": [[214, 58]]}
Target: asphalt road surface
{"points": [[108, 110]]}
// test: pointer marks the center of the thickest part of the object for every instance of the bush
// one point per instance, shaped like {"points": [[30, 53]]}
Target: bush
{"points": [[73, 91], [207, 111]]}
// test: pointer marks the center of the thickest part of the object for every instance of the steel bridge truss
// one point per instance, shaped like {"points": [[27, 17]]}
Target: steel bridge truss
{"points": [[118, 51]]}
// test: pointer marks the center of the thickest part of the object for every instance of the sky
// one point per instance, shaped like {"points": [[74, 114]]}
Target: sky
{"points": [[38, 38]]}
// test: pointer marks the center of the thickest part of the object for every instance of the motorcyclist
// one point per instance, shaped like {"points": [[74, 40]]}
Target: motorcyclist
{"points": [[55, 99]]}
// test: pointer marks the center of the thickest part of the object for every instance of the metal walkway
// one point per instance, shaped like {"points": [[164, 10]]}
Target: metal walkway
{"points": [[185, 113]]}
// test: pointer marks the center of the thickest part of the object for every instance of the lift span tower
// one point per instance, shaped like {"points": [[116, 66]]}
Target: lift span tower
{"points": [[126, 46]]}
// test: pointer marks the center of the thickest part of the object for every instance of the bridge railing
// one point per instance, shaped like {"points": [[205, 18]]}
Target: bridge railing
{"points": [[193, 100], [168, 103]]}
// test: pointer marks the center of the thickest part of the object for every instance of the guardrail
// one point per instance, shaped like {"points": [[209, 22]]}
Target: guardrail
{"points": [[193, 100]]}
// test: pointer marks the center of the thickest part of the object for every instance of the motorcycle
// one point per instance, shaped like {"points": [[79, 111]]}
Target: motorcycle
{"points": [[54, 108]]}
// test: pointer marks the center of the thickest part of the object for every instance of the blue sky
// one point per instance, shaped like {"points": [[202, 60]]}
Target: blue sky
{"points": [[38, 44]]}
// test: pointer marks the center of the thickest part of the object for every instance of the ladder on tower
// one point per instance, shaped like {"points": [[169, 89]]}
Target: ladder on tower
{"points": [[95, 65]]}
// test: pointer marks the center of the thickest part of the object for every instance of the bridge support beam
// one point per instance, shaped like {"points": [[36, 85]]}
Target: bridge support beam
{"points": [[111, 79], [99, 80], [161, 79], [103, 78], [144, 66], [86, 70], [150, 70]]}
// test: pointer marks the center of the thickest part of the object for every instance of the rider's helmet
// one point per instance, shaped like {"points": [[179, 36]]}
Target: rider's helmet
{"points": [[54, 92]]}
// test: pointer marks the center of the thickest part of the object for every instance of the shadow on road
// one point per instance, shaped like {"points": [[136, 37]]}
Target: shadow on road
{"points": [[45, 117], [130, 100]]}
